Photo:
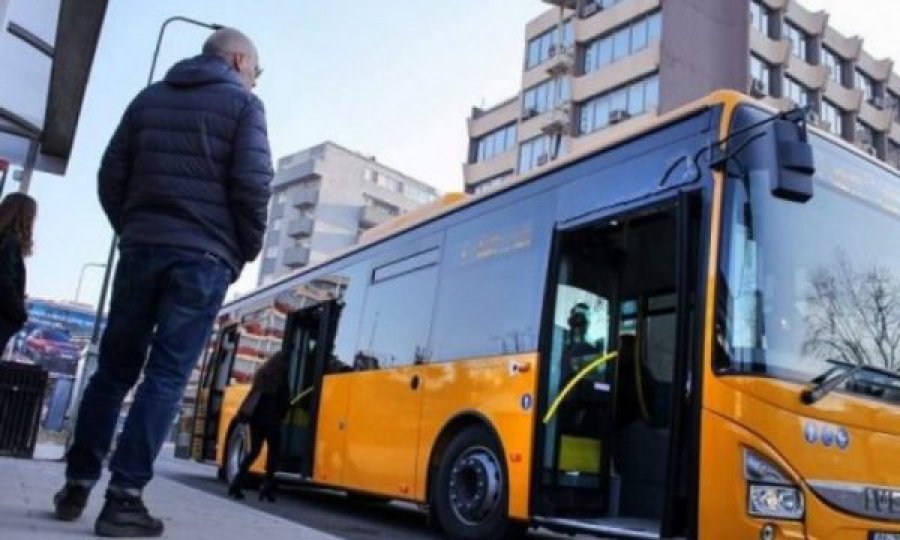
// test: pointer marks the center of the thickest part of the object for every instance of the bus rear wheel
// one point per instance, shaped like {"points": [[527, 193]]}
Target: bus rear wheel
{"points": [[469, 492]]}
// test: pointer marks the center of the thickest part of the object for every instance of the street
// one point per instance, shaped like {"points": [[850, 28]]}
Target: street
{"points": [[325, 510]]}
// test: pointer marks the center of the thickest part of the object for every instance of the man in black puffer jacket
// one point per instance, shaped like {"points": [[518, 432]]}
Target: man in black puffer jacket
{"points": [[185, 183]]}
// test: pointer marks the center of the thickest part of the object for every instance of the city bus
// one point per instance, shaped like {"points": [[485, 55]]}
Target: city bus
{"points": [[690, 332]]}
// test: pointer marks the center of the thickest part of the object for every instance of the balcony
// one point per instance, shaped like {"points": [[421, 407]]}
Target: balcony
{"points": [[295, 257], [562, 61], [555, 121], [773, 51], [372, 216], [301, 227], [302, 170], [305, 198], [848, 99]]}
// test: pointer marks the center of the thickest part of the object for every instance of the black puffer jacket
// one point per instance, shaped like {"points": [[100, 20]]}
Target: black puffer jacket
{"points": [[189, 165]]}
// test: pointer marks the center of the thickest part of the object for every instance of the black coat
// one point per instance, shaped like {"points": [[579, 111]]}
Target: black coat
{"points": [[189, 165], [12, 286]]}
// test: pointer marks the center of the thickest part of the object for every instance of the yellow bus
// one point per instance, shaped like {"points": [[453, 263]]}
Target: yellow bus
{"points": [[693, 332]]}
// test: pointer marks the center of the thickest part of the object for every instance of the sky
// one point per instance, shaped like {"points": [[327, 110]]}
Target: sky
{"points": [[390, 78]]}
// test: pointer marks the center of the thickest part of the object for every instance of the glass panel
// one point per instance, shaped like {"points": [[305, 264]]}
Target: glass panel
{"points": [[396, 320], [605, 52], [619, 100], [654, 27], [590, 57], [525, 157], [587, 117], [639, 36], [636, 99], [621, 44], [601, 113], [651, 95], [796, 303]]}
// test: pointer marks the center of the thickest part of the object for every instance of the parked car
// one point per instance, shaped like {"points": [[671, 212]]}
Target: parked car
{"points": [[53, 349]]}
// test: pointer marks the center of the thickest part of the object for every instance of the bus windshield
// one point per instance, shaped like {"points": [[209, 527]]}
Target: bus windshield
{"points": [[805, 285]]}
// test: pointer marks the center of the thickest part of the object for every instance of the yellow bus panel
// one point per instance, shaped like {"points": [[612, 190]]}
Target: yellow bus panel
{"points": [[503, 387]]}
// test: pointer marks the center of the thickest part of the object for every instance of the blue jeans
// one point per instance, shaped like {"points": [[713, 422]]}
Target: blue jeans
{"points": [[164, 300]]}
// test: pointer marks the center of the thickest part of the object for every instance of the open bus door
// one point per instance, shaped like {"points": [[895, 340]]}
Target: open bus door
{"points": [[309, 337], [210, 391], [615, 432]]}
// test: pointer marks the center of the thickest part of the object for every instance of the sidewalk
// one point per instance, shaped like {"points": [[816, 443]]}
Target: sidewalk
{"points": [[27, 488]]}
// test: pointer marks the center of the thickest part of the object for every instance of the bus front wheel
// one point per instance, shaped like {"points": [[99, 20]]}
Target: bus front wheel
{"points": [[469, 492]]}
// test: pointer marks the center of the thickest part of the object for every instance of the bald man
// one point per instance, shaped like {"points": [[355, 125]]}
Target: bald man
{"points": [[185, 183]]}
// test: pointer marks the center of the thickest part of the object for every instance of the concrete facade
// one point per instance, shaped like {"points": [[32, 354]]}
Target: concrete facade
{"points": [[620, 62], [323, 198]]}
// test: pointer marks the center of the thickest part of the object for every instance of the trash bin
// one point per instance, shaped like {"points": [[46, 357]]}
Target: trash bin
{"points": [[21, 400]]}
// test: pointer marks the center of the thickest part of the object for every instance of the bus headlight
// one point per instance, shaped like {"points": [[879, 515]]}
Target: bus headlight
{"points": [[770, 493]]}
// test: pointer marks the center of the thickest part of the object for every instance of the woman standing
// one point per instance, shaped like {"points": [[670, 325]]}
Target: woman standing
{"points": [[17, 213], [263, 408]]}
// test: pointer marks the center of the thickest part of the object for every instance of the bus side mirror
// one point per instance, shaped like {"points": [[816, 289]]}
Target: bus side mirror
{"points": [[792, 178]]}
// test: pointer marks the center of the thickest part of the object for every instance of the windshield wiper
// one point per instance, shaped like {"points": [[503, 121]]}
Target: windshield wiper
{"points": [[824, 385]]}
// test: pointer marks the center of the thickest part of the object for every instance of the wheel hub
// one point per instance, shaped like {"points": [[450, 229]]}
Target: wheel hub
{"points": [[475, 485]]}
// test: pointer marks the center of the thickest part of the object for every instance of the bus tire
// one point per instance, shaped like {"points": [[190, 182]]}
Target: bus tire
{"points": [[470, 492], [236, 447]]}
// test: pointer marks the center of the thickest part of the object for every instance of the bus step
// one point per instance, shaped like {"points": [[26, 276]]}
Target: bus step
{"points": [[614, 527]]}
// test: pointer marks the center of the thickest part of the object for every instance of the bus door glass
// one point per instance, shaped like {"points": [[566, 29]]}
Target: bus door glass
{"points": [[309, 334], [213, 383], [606, 422]]}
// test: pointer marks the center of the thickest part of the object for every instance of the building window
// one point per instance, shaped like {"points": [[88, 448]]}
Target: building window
{"points": [[272, 252], [760, 75], [835, 65], [536, 152], [867, 85], [892, 103], [893, 153], [622, 43], [494, 143], [418, 194], [386, 207], [281, 198], [795, 91], [388, 182], [369, 175], [798, 40], [276, 224], [623, 103], [759, 17], [542, 47], [866, 135], [545, 96], [833, 118], [491, 183]]}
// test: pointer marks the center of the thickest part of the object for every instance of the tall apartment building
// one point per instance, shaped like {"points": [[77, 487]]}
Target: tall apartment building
{"points": [[592, 67], [323, 198]]}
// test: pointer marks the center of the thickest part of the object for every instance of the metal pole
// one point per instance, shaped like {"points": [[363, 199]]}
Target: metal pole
{"points": [[84, 267], [28, 168], [90, 360]]}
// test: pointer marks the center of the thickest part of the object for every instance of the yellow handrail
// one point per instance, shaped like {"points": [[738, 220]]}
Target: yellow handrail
{"points": [[571, 384], [301, 395]]}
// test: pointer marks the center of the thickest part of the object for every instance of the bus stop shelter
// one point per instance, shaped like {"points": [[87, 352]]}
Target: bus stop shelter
{"points": [[47, 49]]}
